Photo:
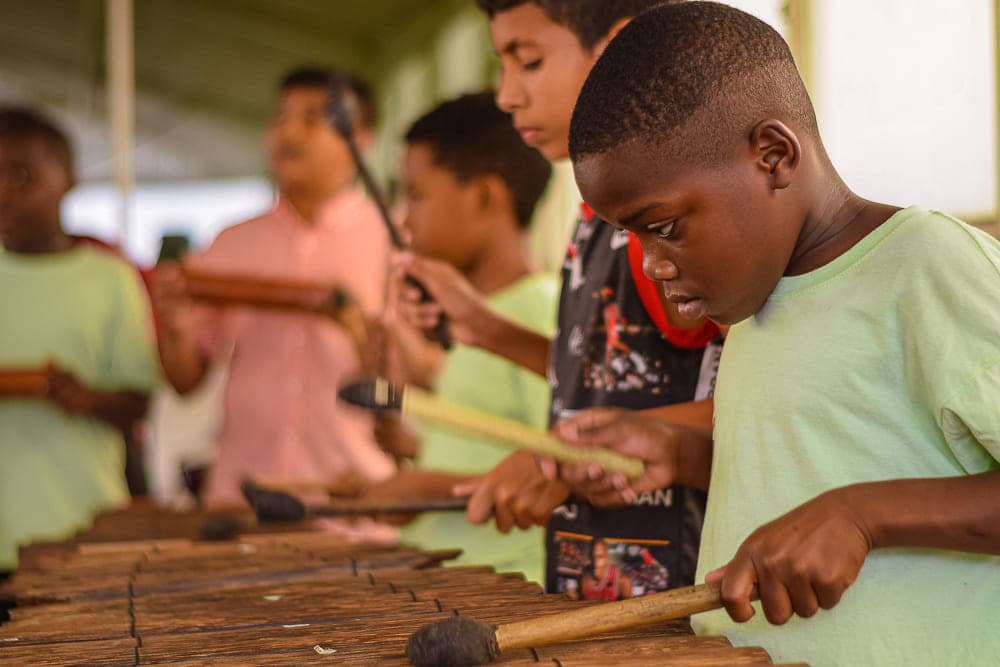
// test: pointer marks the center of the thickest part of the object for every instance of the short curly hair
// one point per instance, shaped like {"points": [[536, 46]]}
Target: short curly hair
{"points": [[469, 137], [314, 76], [19, 122], [589, 20], [702, 66]]}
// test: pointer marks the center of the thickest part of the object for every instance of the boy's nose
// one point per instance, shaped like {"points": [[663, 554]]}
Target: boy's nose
{"points": [[510, 95], [658, 268]]}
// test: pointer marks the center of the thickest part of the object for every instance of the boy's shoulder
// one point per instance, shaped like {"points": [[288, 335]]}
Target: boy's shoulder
{"points": [[242, 240], [247, 228], [931, 241], [117, 273], [531, 301]]}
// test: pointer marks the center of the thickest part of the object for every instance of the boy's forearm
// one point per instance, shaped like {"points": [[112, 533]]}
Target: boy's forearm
{"points": [[958, 513], [694, 457], [694, 453], [692, 413], [121, 409], [523, 346], [183, 363]]}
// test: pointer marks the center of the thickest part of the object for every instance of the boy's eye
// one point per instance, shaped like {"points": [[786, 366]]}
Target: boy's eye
{"points": [[664, 229], [17, 176], [21, 176], [314, 118], [532, 65]]}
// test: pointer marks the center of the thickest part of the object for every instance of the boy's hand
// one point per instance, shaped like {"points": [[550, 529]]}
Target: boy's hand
{"points": [[66, 391], [516, 492], [452, 295], [646, 438], [170, 298], [395, 437], [800, 562]]}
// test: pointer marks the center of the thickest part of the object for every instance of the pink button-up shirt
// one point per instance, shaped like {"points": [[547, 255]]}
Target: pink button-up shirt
{"points": [[282, 419]]}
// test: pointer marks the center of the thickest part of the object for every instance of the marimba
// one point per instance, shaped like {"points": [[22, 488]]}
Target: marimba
{"points": [[282, 598]]}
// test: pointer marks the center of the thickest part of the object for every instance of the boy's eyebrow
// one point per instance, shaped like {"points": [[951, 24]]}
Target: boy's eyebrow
{"points": [[631, 219], [516, 44]]}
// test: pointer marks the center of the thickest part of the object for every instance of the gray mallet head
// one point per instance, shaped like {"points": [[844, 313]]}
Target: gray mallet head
{"points": [[376, 395], [453, 642], [272, 505]]}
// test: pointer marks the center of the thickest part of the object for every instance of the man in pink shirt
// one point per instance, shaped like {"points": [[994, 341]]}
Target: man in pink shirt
{"points": [[282, 419]]}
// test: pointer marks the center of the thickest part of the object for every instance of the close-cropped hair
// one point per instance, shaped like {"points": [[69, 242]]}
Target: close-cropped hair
{"points": [[589, 20], [699, 72], [320, 77], [470, 137], [19, 122]]}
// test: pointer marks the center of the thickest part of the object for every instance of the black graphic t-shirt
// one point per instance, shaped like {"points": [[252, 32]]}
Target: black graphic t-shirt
{"points": [[615, 348]]}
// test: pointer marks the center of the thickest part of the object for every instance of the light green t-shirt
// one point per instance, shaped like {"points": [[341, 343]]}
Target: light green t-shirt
{"points": [[85, 311], [882, 364], [486, 382]]}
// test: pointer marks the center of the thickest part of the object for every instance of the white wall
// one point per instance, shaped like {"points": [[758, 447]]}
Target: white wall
{"points": [[199, 210], [904, 96]]}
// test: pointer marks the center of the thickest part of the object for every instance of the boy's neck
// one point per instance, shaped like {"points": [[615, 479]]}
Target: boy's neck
{"points": [[836, 221], [55, 243], [506, 262], [308, 202]]}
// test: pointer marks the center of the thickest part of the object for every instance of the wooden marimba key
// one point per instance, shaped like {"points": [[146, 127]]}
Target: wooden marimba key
{"points": [[288, 599]]}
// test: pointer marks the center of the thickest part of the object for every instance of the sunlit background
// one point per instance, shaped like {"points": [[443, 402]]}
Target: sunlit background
{"points": [[905, 91]]}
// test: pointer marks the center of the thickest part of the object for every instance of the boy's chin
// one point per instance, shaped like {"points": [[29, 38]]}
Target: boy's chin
{"points": [[289, 179], [553, 151]]}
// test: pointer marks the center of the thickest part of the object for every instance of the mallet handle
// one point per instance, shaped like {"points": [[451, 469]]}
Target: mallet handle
{"points": [[362, 506], [254, 291], [24, 382], [596, 619], [418, 403]]}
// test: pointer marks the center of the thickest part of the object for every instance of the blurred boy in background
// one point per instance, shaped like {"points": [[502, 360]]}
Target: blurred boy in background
{"points": [[84, 311], [281, 417], [471, 187]]}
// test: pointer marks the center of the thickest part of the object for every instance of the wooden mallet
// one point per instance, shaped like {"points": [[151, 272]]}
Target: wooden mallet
{"points": [[341, 109], [273, 506], [24, 382], [458, 640], [379, 395]]}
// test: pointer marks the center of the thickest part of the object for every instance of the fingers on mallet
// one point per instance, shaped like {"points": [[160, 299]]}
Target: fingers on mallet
{"points": [[774, 598], [828, 593], [736, 587]]}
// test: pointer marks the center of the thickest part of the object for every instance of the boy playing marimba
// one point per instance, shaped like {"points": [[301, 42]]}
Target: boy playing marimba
{"points": [[85, 312], [856, 437]]}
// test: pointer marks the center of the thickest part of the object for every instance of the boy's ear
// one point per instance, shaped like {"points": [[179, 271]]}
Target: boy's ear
{"points": [[604, 41], [365, 139], [494, 197], [777, 151]]}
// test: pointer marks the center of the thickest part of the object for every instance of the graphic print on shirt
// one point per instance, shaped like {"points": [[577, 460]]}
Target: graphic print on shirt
{"points": [[605, 568], [612, 356], [609, 351]]}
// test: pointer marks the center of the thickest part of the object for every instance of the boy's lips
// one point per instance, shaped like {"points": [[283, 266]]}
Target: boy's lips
{"points": [[529, 135], [287, 152], [692, 309], [689, 307]]}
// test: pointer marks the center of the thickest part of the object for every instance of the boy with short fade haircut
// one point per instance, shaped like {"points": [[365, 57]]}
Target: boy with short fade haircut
{"points": [[81, 310], [617, 344], [471, 187], [855, 413]]}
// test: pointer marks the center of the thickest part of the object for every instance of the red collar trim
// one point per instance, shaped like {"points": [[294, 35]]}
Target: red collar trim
{"points": [[690, 339]]}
